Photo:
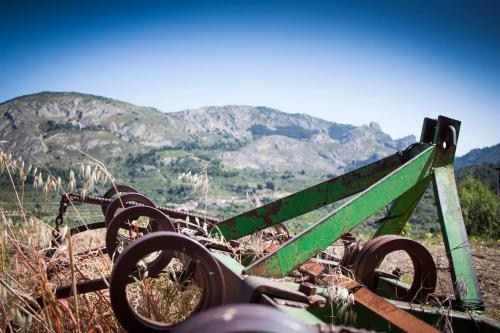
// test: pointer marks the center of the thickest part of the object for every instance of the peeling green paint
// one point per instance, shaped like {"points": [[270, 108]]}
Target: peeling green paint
{"points": [[319, 236], [401, 209], [314, 197], [465, 284]]}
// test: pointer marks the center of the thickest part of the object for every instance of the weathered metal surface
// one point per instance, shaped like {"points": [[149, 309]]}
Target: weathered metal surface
{"points": [[314, 197], [381, 307], [314, 269], [87, 227], [114, 191], [122, 201], [428, 130], [158, 222], [446, 149], [307, 288], [389, 286], [256, 318], [235, 318], [369, 310], [82, 287], [465, 284], [173, 213], [373, 252], [304, 315], [319, 236], [208, 276], [401, 209], [400, 179], [448, 320]]}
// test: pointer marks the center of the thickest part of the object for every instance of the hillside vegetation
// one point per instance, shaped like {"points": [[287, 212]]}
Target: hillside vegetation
{"points": [[243, 151]]}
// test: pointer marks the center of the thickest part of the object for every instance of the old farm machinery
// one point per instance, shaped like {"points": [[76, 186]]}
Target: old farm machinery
{"points": [[296, 285]]}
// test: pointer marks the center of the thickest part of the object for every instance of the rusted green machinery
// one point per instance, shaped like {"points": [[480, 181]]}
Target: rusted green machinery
{"points": [[297, 276]]}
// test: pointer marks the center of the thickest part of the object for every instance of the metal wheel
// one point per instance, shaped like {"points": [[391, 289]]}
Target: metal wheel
{"points": [[425, 276], [121, 202], [123, 221], [207, 273], [113, 192]]}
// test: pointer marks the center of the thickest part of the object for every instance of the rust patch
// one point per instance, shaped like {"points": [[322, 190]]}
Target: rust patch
{"points": [[385, 309]]}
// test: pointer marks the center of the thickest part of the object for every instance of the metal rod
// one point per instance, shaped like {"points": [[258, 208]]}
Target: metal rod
{"points": [[178, 214]]}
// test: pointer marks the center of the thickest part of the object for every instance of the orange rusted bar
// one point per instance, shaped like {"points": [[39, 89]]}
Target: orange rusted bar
{"points": [[388, 311]]}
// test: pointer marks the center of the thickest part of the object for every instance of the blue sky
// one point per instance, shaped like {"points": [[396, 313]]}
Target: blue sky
{"points": [[393, 62]]}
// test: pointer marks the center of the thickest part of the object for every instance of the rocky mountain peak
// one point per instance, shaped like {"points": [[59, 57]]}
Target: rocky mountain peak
{"points": [[375, 126]]}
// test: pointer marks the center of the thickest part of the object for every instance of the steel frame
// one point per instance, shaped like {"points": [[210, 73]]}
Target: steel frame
{"points": [[400, 181]]}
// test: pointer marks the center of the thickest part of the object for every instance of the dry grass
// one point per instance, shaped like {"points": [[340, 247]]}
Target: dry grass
{"points": [[24, 267], [164, 298]]}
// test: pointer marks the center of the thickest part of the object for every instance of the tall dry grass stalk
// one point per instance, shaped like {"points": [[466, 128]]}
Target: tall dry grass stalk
{"points": [[23, 265], [24, 240]]}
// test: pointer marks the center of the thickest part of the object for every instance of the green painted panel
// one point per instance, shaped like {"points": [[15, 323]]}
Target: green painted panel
{"points": [[402, 208], [448, 320], [465, 284], [230, 263]]}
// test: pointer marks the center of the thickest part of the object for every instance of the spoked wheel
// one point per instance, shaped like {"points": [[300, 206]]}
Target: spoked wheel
{"points": [[122, 201], [372, 254], [133, 223], [156, 303], [113, 193]]}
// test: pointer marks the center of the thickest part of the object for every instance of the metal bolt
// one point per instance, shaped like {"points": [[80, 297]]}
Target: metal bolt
{"points": [[307, 288], [317, 301], [234, 243]]}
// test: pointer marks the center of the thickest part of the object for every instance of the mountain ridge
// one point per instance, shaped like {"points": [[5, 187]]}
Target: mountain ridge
{"points": [[48, 122], [243, 150], [490, 155]]}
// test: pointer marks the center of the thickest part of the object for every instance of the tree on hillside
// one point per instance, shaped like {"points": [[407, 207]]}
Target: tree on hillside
{"points": [[480, 207]]}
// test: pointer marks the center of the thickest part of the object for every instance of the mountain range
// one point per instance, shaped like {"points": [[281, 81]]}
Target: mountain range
{"points": [[47, 123], [490, 155], [245, 151]]}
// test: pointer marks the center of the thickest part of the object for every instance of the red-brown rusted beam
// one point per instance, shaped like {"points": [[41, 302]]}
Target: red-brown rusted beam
{"points": [[388, 311]]}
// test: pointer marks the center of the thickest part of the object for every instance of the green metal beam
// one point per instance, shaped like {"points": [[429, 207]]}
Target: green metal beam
{"points": [[448, 320], [319, 236], [229, 262], [401, 209], [440, 317], [314, 197], [465, 284], [463, 274]]}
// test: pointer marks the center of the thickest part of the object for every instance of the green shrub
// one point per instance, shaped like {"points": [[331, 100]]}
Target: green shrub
{"points": [[480, 207]]}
